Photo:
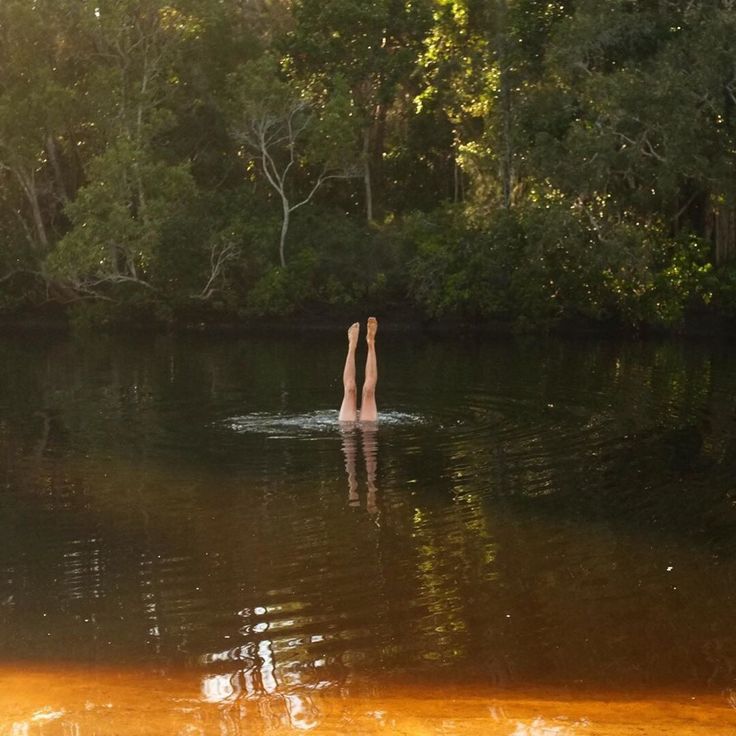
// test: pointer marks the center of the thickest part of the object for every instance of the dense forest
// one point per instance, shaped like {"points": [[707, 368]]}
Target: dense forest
{"points": [[515, 161]]}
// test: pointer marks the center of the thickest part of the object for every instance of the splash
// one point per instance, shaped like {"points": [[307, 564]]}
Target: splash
{"points": [[310, 423]]}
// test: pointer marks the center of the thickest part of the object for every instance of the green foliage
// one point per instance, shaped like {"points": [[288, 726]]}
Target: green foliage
{"points": [[334, 136], [533, 264], [281, 292], [720, 291], [117, 218], [457, 270], [339, 265], [257, 89], [656, 278], [542, 263], [519, 160]]}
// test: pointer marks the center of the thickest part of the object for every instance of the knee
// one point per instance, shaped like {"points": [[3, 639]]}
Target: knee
{"points": [[350, 390]]}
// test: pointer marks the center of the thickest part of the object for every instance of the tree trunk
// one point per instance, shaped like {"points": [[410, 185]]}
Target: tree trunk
{"points": [[54, 158], [378, 140], [367, 175], [506, 149], [284, 230], [457, 180], [28, 184], [26, 229], [506, 163], [723, 230]]}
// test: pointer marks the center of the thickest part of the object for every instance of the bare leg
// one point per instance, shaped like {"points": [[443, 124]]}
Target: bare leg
{"points": [[348, 410], [368, 409]]}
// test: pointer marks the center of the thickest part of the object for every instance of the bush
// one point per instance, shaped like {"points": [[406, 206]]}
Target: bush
{"points": [[335, 264], [543, 262], [459, 270]]}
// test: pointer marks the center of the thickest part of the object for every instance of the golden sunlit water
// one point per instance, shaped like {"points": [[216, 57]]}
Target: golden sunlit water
{"points": [[73, 700], [537, 539]]}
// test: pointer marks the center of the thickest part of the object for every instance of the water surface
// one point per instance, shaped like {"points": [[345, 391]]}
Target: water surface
{"points": [[527, 517]]}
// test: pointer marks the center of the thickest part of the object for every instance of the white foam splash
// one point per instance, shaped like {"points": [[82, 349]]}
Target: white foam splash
{"points": [[311, 423]]}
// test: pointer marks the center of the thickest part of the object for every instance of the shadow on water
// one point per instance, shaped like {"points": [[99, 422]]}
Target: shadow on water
{"points": [[556, 516]]}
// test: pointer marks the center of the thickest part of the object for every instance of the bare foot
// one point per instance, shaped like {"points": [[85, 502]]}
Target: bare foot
{"points": [[372, 327], [353, 331]]}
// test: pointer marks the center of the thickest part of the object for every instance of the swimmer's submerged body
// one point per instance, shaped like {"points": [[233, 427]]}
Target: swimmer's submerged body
{"points": [[349, 409]]}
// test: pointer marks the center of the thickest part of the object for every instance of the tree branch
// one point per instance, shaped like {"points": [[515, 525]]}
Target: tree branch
{"points": [[8, 276], [219, 256], [650, 150], [321, 179]]}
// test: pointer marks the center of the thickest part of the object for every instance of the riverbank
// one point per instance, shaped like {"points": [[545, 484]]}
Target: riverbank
{"points": [[399, 321]]}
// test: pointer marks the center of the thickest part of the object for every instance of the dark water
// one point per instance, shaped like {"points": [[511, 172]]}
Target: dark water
{"points": [[527, 513]]}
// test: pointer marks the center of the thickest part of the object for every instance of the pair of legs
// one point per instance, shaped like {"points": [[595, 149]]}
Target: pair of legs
{"points": [[349, 408]]}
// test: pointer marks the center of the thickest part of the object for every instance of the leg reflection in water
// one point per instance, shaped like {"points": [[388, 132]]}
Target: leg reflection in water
{"points": [[365, 420], [369, 442]]}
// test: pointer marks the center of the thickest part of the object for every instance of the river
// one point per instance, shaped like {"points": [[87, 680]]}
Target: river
{"points": [[537, 538]]}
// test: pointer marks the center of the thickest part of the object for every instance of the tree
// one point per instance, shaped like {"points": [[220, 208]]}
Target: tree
{"points": [[285, 134], [35, 106], [373, 46], [111, 241], [484, 65], [131, 192], [650, 135]]}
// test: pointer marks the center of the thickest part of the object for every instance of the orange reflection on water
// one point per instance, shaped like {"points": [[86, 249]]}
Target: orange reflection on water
{"points": [[75, 700]]}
